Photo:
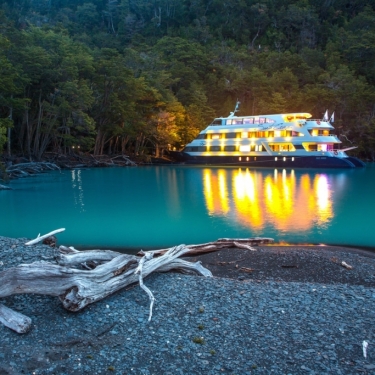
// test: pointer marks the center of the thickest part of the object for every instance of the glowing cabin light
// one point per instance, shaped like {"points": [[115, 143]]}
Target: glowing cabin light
{"points": [[215, 136], [277, 133], [245, 148], [314, 132], [284, 158], [293, 158], [244, 135], [276, 158]]}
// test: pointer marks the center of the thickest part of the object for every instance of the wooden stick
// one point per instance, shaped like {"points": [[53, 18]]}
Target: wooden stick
{"points": [[221, 243], [41, 238], [144, 287], [14, 320]]}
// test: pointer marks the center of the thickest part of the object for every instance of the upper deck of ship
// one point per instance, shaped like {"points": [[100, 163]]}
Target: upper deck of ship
{"points": [[269, 121]]}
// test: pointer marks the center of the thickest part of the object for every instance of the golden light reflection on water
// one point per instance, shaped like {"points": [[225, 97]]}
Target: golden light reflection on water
{"points": [[78, 189], [279, 198]]}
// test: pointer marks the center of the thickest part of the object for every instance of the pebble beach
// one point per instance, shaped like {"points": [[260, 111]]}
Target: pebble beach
{"points": [[218, 325]]}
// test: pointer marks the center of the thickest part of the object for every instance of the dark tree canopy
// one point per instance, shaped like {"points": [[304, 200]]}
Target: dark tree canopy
{"points": [[134, 76]]}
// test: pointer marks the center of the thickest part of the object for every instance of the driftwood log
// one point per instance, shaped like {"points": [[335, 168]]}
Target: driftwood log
{"points": [[58, 162], [28, 169], [3, 187], [79, 278]]}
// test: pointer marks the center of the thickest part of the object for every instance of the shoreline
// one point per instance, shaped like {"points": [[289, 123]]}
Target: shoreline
{"points": [[260, 322]]}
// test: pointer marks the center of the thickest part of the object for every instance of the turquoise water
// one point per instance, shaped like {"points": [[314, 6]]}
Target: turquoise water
{"points": [[154, 207]]}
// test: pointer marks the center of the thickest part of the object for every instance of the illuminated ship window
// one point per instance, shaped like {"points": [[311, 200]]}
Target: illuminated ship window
{"points": [[248, 121], [215, 136], [237, 121], [245, 148], [310, 146], [244, 135], [276, 147], [320, 132]]}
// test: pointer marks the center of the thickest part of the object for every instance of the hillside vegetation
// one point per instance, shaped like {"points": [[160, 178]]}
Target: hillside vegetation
{"points": [[134, 76]]}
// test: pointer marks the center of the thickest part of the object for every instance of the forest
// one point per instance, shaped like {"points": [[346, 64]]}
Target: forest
{"points": [[136, 77]]}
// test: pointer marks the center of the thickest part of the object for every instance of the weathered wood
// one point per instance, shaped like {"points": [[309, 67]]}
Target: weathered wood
{"points": [[139, 270], [83, 277], [3, 187], [14, 320], [346, 265], [77, 288], [221, 243], [41, 238], [27, 169]]}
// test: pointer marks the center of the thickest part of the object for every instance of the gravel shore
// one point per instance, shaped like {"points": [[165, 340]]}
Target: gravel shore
{"points": [[242, 323]]}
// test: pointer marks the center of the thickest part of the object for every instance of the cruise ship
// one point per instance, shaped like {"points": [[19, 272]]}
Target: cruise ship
{"points": [[290, 140]]}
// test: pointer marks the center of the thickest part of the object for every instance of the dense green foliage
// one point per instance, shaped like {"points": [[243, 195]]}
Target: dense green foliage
{"points": [[134, 76]]}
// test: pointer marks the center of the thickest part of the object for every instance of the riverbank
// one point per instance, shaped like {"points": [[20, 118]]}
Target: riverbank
{"points": [[281, 310], [18, 166]]}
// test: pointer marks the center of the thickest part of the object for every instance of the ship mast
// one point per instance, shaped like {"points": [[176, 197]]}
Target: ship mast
{"points": [[236, 108]]}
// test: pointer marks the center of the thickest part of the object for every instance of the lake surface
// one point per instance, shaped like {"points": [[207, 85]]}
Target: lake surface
{"points": [[154, 207]]}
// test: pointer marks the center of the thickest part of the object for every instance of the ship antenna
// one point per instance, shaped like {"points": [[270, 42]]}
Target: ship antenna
{"points": [[236, 108]]}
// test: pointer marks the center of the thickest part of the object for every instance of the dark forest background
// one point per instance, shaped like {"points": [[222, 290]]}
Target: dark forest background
{"points": [[134, 76]]}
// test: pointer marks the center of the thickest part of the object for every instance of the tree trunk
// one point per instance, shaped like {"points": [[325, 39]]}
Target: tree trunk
{"points": [[9, 132], [39, 123]]}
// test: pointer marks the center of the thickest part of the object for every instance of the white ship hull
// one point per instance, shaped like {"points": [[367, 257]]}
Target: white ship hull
{"points": [[281, 141]]}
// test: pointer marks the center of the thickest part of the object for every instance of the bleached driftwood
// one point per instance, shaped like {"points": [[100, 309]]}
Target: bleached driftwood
{"points": [[41, 238], [14, 320], [3, 187], [346, 265], [222, 243], [139, 270], [77, 288], [27, 169], [80, 278]]}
